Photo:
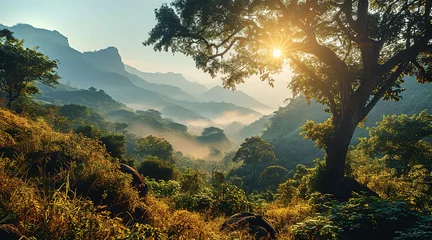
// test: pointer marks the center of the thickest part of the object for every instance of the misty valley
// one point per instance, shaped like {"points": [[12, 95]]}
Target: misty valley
{"points": [[224, 119]]}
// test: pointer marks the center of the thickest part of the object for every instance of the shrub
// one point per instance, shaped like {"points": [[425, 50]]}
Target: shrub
{"points": [[229, 199], [163, 188], [153, 167]]}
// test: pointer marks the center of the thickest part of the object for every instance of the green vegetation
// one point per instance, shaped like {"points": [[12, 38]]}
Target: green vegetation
{"points": [[345, 58], [21, 68], [62, 162], [253, 152]]}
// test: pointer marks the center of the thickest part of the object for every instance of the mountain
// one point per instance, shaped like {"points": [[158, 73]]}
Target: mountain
{"points": [[239, 98], [173, 79], [75, 70], [105, 70], [255, 129], [109, 60], [284, 128], [92, 98]]}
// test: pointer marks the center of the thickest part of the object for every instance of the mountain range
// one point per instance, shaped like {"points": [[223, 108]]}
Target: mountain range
{"points": [[170, 93]]}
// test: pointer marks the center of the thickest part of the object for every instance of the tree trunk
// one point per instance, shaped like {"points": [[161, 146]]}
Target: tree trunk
{"points": [[332, 180], [9, 103]]}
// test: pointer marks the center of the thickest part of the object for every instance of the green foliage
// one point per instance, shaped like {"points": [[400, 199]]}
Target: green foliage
{"points": [[156, 147], [229, 199], [115, 145], [359, 218], [191, 182], [164, 188], [299, 187], [215, 137], [201, 201], [153, 167], [89, 131], [316, 228], [21, 67], [321, 133], [400, 141], [421, 229], [272, 176], [390, 160], [255, 151]]}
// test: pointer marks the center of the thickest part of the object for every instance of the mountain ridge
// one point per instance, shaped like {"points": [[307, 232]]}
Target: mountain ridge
{"points": [[239, 98]]}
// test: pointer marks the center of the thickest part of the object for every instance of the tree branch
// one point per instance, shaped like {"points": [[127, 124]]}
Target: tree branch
{"points": [[387, 85], [407, 54], [315, 80]]}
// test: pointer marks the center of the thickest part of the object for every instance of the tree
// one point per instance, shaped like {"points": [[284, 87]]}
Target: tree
{"points": [[120, 127], [255, 151], [345, 54], [272, 176], [156, 168], [401, 141], [115, 145], [213, 135], [21, 67], [156, 147]]}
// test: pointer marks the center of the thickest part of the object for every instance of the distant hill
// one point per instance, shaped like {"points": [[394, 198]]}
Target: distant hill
{"points": [[256, 128], [76, 71], [109, 60], [174, 79], [239, 98], [105, 70], [96, 99], [292, 149]]}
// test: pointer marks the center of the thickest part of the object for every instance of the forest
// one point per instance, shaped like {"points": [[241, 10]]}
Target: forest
{"points": [[92, 148]]}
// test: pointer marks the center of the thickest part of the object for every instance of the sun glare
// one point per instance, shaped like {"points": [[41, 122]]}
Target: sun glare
{"points": [[277, 53]]}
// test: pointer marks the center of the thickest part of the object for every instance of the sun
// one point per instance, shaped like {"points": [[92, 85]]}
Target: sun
{"points": [[277, 53]]}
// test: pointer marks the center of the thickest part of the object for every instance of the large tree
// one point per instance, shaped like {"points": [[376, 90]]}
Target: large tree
{"points": [[21, 67], [255, 151], [345, 54]]}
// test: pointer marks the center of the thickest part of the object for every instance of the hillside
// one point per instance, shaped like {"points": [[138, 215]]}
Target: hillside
{"points": [[239, 98], [92, 98], [174, 79], [284, 128]]}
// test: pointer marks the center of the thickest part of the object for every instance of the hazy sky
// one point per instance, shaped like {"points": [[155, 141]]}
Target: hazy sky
{"points": [[96, 24]]}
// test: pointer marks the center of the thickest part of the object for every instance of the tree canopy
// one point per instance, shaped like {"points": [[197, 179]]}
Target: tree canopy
{"points": [[345, 54], [156, 147], [255, 151], [21, 67], [401, 141]]}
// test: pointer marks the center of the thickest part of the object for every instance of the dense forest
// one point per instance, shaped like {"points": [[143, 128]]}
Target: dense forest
{"points": [[91, 148]]}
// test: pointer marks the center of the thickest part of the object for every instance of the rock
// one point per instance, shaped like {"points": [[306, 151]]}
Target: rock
{"points": [[254, 223], [137, 180]]}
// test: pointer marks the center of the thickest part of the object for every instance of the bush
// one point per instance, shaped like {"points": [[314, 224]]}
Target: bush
{"points": [[153, 167], [163, 188], [198, 202], [229, 199], [272, 176], [359, 218]]}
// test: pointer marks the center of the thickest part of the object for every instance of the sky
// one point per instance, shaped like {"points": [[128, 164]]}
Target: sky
{"points": [[96, 24]]}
